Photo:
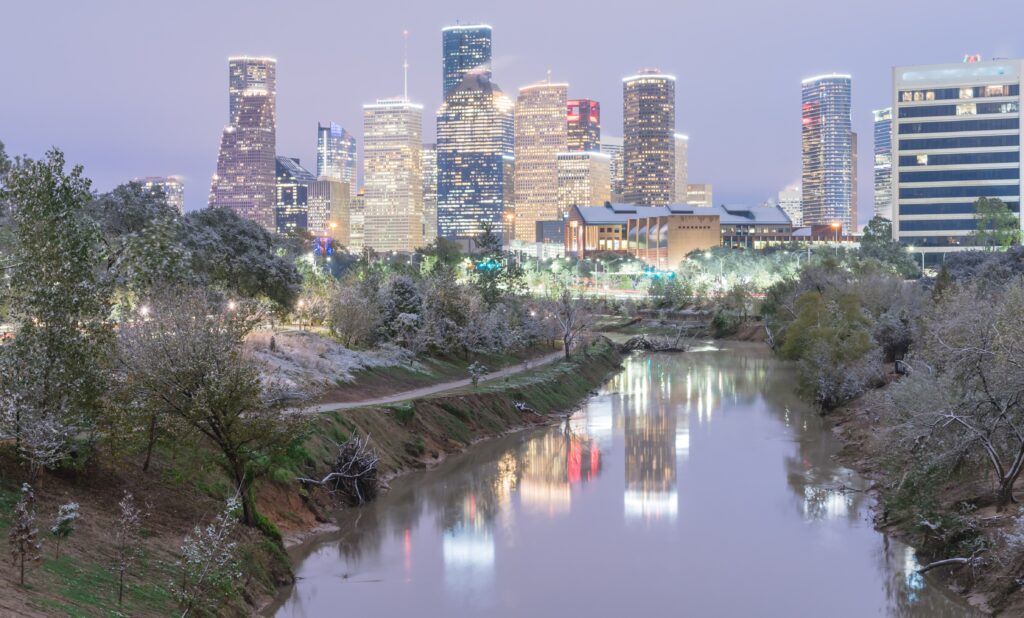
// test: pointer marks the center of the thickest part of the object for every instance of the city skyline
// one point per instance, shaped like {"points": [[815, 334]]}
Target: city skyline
{"points": [[748, 154]]}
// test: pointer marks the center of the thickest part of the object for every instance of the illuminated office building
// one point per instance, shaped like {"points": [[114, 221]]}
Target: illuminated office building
{"points": [[699, 194], [335, 153], [584, 119], [329, 214], [464, 49], [172, 187], [393, 175], [883, 162], [357, 219], [474, 137], [429, 193], [245, 179], [790, 203], [584, 179], [682, 166], [291, 209], [956, 129], [649, 124], [540, 134], [827, 145], [612, 146]]}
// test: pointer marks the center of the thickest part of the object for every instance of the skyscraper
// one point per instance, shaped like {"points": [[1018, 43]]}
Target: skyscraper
{"points": [[883, 162], [649, 123], [827, 144], [584, 179], [957, 139], [393, 174], [682, 166], [540, 134], [790, 203], [699, 194], [474, 136], [429, 193], [584, 119], [463, 49], [612, 146], [291, 208], [335, 153], [245, 179], [329, 210], [172, 187]]}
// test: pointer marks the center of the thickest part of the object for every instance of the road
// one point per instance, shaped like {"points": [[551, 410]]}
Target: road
{"points": [[434, 388]]}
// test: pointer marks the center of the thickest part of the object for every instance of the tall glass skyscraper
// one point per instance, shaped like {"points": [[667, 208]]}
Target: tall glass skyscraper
{"points": [[612, 146], [827, 143], [956, 129], [245, 179], [540, 134], [463, 49], [682, 166], [393, 175], [335, 153], [584, 119], [474, 138], [649, 123], [883, 162], [429, 193], [292, 200]]}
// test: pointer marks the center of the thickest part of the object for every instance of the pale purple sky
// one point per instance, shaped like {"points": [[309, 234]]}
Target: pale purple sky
{"points": [[139, 88]]}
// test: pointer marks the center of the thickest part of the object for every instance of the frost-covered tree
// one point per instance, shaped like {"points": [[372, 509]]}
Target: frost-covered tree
{"points": [[55, 370], [187, 360], [127, 542], [64, 524], [23, 537], [208, 565], [354, 317], [572, 317]]}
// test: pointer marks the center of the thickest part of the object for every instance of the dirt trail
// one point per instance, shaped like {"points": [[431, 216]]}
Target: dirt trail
{"points": [[434, 388]]}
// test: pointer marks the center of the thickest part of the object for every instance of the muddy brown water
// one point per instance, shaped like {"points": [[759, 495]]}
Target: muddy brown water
{"points": [[694, 484]]}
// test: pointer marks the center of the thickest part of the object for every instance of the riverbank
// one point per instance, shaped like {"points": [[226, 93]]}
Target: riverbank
{"points": [[992, 585], [420, 433]]}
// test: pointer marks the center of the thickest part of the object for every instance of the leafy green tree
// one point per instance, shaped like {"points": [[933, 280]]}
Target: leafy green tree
{"points": [[997, 226], [55, 370], [877, 243], [238, 255]]}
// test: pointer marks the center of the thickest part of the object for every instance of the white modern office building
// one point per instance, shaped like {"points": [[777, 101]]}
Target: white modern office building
{"points": [[956, 138]]}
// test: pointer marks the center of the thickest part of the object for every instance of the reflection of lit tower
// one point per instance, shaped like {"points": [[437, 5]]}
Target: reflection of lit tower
{"points": [[650, 450], [468, 549]]}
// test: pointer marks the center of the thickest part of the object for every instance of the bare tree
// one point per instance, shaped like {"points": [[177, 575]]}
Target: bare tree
{"points": [[126, 540], [964, 399], [571, 314], [23, 537], [353, 474], [208, 565]]}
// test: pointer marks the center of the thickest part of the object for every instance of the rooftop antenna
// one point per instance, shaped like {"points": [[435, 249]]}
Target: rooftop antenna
{"points": [[405, 65], [549, 76]]}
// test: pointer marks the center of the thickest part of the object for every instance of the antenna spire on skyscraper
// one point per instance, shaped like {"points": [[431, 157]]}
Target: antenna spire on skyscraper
{"points": [[405, 65]]}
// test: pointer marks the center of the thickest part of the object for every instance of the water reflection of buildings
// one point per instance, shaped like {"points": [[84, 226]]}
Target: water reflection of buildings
{"points": [[468, 549], [552, 464]]}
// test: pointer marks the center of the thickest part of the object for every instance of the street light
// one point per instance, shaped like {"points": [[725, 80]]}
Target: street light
{"points": [[910, 249], [835, 225]]}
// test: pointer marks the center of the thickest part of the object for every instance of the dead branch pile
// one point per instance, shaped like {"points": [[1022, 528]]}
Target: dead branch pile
{"points": [[353, 475], [643, 343]]}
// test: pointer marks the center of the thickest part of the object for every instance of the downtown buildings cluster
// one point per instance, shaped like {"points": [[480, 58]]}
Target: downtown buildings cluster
{"points": [[536, 169], [515, 167]]}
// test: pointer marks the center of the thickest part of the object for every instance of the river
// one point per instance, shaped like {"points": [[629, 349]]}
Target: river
{"points": [[693, 484]]}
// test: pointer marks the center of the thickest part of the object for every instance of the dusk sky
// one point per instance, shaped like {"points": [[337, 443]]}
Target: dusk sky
{"points": [[140, 88]]}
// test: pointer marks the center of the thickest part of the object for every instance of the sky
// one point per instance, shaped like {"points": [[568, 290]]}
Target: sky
{"points": [[139, 88]]}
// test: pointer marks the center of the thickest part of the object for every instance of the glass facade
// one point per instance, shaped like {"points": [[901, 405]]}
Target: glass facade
{"points": [[291, 208], [540, 135], [958, 140], [612, 146], [649, 124], [682, 167], [584, 179], [464, 49], [827, 178], [336, 155], [883, 162], [584, 119], [171, 186], [245, 179], [474, 139], [393, 175], [429, 193]]}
